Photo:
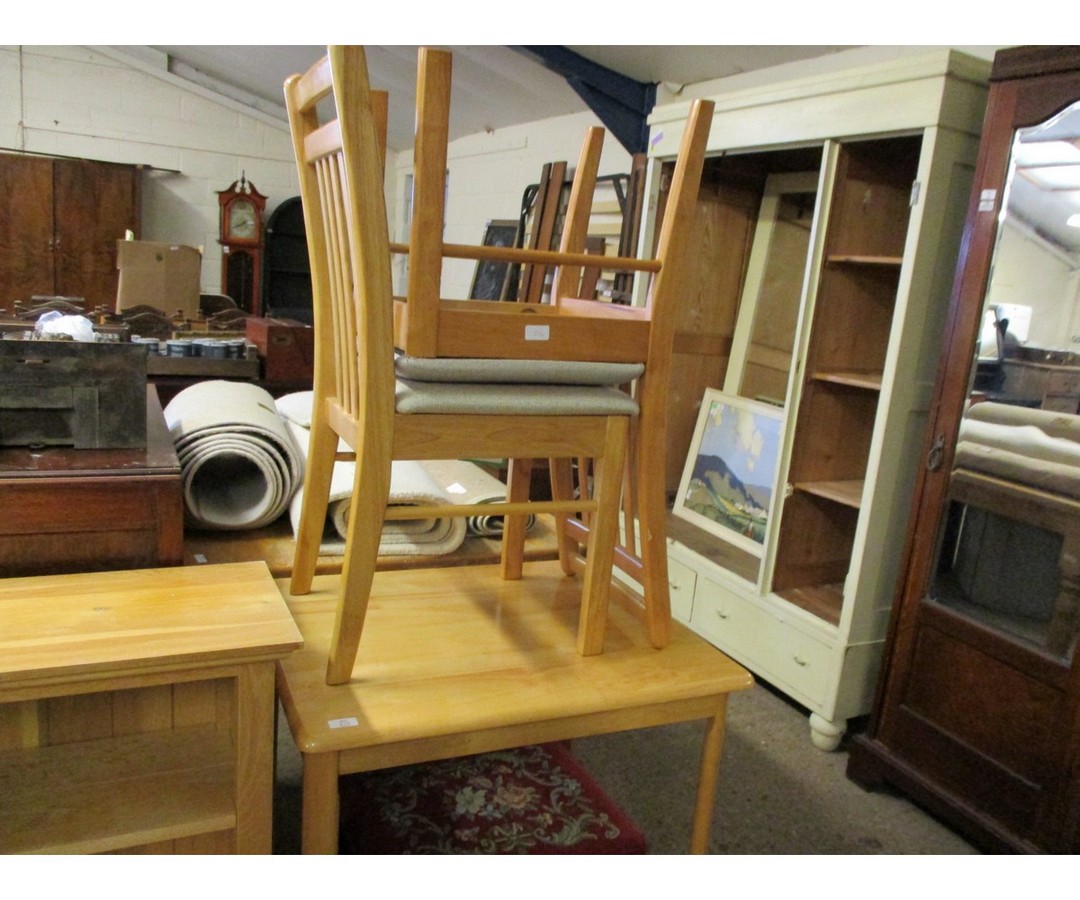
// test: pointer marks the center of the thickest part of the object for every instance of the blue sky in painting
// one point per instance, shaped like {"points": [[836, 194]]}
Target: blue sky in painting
{"points": [[746, 439]]}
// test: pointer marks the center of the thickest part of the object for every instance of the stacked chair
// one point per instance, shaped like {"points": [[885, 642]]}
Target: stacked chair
{"points": [[423, 377]]}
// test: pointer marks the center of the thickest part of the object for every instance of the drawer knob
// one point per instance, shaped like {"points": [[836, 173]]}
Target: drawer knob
{"points": [[799, 661]]}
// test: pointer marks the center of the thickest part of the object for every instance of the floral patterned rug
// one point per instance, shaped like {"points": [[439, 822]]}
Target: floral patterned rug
{"points": [[536, 800]]}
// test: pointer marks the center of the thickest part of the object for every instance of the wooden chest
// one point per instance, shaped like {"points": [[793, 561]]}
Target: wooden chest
{"points": [[287, 349]]}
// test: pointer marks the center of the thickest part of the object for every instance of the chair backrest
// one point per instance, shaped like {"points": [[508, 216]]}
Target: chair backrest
{"points": [[347, 229]]}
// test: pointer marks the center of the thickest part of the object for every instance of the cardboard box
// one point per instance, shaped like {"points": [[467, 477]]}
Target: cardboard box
{"points": [[164, 276]]}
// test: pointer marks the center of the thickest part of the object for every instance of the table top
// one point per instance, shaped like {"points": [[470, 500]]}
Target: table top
{"points": [[158, 457], [55, 627], [457, 652]]}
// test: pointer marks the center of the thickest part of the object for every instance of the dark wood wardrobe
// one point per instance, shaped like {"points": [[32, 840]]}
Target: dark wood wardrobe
{"points": [[977, 713]]}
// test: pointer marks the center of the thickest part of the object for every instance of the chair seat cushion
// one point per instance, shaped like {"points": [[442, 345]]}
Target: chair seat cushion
{"points": [[516, 371], [531, 800], [439, 397]]}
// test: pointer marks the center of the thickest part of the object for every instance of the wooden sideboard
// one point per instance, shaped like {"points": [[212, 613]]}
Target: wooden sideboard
{"points": [[66, 510]]}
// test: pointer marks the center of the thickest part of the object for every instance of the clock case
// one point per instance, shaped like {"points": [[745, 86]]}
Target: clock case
{"points": [[241, 253]]}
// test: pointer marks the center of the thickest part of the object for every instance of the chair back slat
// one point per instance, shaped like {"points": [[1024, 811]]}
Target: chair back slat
{"points": [[579, 208]]}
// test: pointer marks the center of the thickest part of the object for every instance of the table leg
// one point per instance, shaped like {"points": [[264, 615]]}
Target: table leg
{"points": [[320, 804], [708, 778]]}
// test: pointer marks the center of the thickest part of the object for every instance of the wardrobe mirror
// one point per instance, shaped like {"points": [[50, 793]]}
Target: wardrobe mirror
{"points": [[1008, 557]]}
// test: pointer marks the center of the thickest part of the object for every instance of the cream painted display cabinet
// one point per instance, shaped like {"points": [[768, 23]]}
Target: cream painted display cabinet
{"points": [[830, 214]]}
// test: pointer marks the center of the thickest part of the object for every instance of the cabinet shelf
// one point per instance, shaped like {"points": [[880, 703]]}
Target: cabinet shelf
{"points": [[117, 793], [847, 493], [822, 600], [852, 259], [870, 381]]}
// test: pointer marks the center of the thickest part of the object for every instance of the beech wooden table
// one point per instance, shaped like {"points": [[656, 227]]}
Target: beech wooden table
{"points": [[456, 661], [137, 710]]}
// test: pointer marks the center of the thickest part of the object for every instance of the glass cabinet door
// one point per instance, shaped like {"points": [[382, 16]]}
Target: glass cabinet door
{"points": [[1009, 548]]}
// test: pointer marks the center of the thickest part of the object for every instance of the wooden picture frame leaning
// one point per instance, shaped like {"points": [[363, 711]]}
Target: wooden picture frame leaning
{"points": [[729, 482]]}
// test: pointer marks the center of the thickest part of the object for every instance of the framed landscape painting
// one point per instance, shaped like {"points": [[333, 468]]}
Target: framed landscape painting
{"points": [[729, 480]]}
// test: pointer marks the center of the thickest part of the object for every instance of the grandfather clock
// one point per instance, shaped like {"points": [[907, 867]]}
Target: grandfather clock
{"points": [[242, 241]]}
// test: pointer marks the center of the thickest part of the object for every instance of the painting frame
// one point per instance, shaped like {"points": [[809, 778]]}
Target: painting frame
{"points": [[735, 439], [489, 277]]}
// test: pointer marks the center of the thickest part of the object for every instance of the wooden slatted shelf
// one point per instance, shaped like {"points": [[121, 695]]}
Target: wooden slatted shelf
{"points": [[822, 600], [848, 493], [116, 793], [857, 260], [870, 381]]}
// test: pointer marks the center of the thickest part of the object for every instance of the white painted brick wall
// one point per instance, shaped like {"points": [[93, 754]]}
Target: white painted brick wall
{"points": [[76, 101]]}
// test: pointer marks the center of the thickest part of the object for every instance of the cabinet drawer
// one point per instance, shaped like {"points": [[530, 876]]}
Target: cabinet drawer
{"points": [[762, 641], [681, 580]]}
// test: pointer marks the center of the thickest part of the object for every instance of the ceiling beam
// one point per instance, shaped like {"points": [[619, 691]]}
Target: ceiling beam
{"points": [[621, 103]]}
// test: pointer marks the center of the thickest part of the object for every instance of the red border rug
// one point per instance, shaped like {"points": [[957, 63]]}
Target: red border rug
{"points": [[536, 800]]}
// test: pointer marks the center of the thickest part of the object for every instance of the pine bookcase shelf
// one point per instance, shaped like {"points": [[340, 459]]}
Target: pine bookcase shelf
{"points": [[111, 794], [870, 381], [848, 493], [894, 262]]}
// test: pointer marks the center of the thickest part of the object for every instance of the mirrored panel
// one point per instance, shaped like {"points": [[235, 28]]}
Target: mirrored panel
{"points": [[1009, 557]]}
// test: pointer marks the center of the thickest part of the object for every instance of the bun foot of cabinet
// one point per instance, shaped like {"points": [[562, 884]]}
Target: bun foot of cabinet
{"points": [[826, 735]]}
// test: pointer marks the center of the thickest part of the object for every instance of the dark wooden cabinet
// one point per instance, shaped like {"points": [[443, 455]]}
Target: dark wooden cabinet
{"points": [[67, 510], [287, 279], [60, 221], [977, 712]]}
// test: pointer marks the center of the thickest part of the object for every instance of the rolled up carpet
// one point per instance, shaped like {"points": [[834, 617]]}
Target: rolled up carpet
{"points": [[410, 485], [239, 465], [467, 484]]}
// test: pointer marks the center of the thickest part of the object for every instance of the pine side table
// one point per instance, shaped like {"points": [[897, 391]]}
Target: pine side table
{"points": [[137, 710]]}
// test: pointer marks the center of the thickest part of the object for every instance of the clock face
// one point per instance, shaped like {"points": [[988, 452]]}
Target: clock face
{"points": [[242, 221]]}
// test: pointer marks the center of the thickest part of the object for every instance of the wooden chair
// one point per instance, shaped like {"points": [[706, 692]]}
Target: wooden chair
{"points": [[470, 378]]}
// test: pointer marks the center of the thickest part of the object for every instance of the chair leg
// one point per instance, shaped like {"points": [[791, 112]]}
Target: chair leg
{"points": [[367, 514], [603, 531], [562, 488], [320, 469], [652, 527], [518, 484]]}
